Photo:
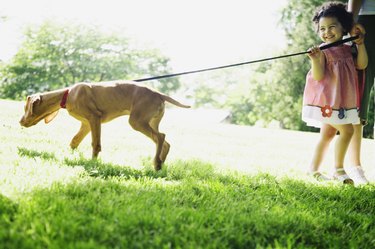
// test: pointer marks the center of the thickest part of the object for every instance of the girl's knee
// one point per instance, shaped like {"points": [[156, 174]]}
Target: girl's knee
{"points": [[331, 133], [347, 130], [328, 133]]}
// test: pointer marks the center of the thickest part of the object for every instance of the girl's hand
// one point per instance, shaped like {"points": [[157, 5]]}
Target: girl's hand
{"points": [[314, 53], [317, 62], [359, 30]]}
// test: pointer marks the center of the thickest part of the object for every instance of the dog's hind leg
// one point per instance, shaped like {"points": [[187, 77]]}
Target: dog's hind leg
{"points": [[164, 151], [77, 139], [154, 123], [140, 124]]}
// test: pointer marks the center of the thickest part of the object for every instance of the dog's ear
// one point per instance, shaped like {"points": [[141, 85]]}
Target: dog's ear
{"points": [[36, 99], [50, 117], [31, 102], [29, 106]]}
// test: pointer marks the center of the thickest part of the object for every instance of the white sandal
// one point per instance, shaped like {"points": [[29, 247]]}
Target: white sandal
{"points": [[357, 174], [341, 176], [320, 177]]}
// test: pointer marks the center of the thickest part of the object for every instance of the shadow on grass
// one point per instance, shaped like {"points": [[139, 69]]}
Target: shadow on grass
{"points": [[8, 211], [94, 167], [97, 168], [176, 170], [6, 205], [24, 152]]}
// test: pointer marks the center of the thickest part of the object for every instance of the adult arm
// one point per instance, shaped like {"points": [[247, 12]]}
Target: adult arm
{"points": [[354, 6]]}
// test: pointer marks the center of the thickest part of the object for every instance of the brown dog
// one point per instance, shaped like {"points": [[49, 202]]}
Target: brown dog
{"points": [[96, 103]]}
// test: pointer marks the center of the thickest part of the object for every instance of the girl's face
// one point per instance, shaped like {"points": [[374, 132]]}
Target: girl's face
{"points": [[330, 30]]}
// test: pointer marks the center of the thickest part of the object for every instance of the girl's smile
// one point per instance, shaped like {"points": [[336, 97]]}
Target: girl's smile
{"points": [[330, 29]]}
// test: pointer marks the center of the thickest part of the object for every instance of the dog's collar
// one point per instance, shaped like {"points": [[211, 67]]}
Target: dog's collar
{"points": [[64, 98]]}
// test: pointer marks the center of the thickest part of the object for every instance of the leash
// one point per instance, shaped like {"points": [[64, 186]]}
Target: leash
{"points": [[333, 44]]}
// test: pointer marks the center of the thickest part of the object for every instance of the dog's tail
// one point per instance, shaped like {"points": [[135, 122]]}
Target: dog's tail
{"points": [[172, 101]]}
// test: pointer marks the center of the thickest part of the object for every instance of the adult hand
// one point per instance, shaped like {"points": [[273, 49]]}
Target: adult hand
{"points": [[359, 30]]}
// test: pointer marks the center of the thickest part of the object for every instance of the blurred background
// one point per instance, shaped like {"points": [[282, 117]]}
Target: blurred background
{"points": [[49, 44]]}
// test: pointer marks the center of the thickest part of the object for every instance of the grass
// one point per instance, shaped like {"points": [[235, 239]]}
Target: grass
{"points": [[223, 186]]}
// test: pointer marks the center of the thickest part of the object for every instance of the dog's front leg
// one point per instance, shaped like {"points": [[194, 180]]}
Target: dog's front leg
{"points": [[95, 125], [77, 139]]}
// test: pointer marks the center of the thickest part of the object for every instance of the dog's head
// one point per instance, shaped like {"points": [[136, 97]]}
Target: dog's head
{"points": [[36, 110]]}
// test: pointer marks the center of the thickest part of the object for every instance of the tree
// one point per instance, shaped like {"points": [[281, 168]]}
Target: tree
{"points": [[291, 72], [54, 56], [275, 89], [296, 19]]}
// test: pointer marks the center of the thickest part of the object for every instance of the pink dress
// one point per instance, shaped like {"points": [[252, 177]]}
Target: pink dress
{"points": [[335, 98]]}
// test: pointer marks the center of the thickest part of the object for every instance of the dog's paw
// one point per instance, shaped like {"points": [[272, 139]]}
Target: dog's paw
{"points": [[157, 164], [164, 152]]}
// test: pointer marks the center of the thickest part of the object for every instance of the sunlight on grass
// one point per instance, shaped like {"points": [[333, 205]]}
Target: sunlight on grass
{"points": [[222, 186], [36, 174], [250, 150]]}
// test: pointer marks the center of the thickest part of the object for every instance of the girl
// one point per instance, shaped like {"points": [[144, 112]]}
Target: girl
{"points": [[331, 97]]}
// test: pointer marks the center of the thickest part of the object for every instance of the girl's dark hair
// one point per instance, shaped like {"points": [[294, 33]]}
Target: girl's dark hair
{"points": [[334, 9]]}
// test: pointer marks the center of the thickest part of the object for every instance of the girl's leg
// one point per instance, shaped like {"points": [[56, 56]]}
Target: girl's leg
{"points": [[355, 146], [355, 170], [341, 147], [327, 133], [342, 144]]}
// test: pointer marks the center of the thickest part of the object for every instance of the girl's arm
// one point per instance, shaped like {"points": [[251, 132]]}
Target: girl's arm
{"points": [[317, 63]]}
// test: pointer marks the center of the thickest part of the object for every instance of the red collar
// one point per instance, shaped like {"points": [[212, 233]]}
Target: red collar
{"points": [[64, 98]]}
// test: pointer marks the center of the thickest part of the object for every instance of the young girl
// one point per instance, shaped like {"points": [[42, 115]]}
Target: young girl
{"points": [[331, 98]]}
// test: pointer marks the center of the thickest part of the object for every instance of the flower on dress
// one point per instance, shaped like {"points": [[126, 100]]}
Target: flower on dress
{"points": [[326, 111], [342, 113]]}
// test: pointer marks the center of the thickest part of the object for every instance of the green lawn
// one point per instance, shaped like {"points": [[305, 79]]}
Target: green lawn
{"points": [[223, 186]]}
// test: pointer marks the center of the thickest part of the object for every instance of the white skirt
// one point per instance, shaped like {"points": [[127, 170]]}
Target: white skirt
{"points": [[313, 116]]}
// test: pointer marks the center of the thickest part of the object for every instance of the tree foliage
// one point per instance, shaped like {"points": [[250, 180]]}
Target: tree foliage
{"points": [[296, 20], [54, 56], [288, 83], [275, 90]]}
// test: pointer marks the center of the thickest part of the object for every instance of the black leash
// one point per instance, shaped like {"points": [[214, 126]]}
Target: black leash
{"points": [[336, 43]]}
